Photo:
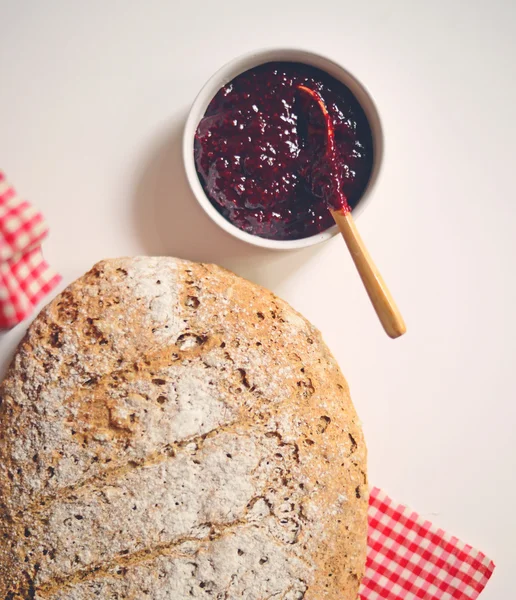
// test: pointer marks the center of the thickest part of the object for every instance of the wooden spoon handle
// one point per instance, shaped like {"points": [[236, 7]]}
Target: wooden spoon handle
{"points": [[379, 295]]}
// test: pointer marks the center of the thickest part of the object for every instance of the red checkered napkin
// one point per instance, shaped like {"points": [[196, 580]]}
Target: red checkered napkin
{"points": [[24, 281], [22, 227], [25, 277], [409, 557]]}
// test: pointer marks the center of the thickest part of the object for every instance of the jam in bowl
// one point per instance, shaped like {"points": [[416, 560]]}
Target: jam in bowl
{"points": [[255, 145]]}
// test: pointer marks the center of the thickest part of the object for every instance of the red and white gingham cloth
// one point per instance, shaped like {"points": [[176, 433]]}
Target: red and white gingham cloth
{"points": [[25, 277], [408, 557]]}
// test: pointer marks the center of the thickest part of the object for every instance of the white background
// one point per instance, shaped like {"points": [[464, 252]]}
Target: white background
{"points": [[93, 96]]}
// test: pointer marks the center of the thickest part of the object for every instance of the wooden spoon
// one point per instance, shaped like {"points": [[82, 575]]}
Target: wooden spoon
{"points": [[381, 299], [378, 293]]}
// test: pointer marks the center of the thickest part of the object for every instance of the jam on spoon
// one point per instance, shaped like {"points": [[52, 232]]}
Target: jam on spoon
{"points": [[257, 144], [327, 178]]}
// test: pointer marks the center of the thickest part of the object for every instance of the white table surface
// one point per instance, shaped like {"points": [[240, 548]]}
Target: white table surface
{"points": [[92, 100]]}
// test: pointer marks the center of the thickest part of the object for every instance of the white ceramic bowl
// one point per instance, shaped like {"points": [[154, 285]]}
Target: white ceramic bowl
{"points": [[229, 72]]}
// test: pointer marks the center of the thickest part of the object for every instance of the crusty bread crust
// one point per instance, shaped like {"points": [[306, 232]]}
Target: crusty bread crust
{"points": [[170, 430]]}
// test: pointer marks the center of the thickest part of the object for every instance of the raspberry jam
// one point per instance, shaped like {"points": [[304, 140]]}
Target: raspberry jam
{"points": [[260, 150]]}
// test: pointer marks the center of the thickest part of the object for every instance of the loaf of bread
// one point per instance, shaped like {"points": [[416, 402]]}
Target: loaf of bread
{"points": [[169, 430]]}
